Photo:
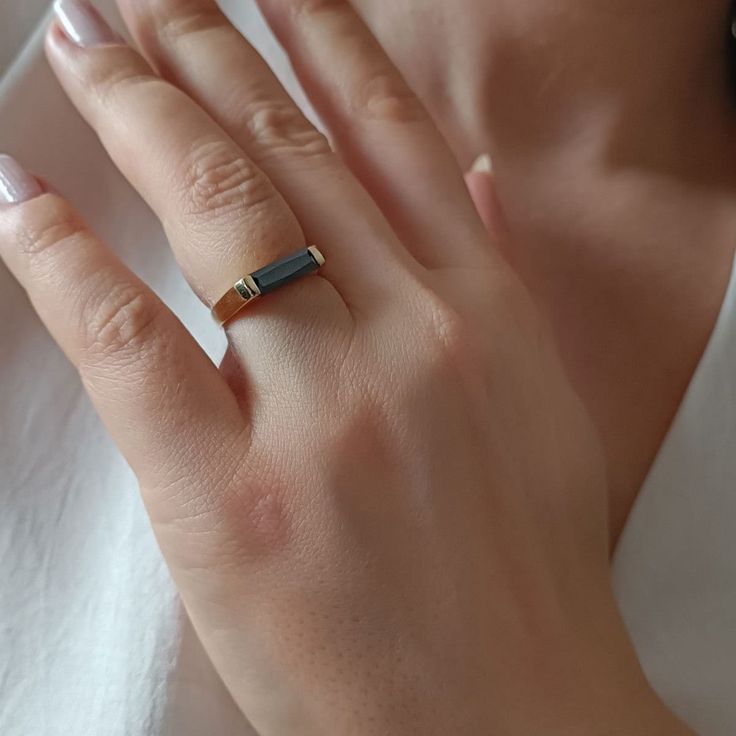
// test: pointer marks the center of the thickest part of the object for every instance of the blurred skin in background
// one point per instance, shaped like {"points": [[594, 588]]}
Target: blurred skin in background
{"points": [[612, 129]]}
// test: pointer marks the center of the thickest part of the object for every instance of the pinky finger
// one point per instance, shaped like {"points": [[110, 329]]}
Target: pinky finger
{"points": [[151, 383], [483, 192]]}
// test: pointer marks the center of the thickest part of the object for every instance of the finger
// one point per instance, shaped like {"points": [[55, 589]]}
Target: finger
{"points": [[222, 214], [381, 128], [483, 192], [153, 386], [193, 45], [482, 187]]}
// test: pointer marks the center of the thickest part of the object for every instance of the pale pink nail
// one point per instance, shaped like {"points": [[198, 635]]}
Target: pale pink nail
{"points": [[83, 23], [483, 164], [16, 184]]}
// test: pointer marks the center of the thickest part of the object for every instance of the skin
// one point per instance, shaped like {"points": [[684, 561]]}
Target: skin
{"points": [[611, 128], [387, 511]]}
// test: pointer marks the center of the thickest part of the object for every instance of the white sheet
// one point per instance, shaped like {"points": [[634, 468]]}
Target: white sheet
{"points": [[92, 639], [675, 566]]}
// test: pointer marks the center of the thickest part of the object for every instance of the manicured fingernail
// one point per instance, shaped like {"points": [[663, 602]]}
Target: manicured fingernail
{"points": [[483, 164], [16, 184], [83, 23]]}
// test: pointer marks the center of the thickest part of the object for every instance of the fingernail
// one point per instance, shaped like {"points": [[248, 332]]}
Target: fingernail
{"points": [[16, 184], [83, 23], [483, 164]]}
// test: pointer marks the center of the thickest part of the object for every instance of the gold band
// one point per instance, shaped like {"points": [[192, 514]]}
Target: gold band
{"points": [[266, 280], [235, 299]]}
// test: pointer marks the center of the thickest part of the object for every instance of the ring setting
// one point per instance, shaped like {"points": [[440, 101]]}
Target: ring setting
{"points": [[266, 280]]}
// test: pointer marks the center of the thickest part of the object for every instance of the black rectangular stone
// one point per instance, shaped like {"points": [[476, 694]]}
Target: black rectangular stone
{"points": [[283, 271]]}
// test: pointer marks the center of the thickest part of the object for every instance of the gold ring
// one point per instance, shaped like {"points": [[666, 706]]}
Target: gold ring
{"points": [[265, 280]]}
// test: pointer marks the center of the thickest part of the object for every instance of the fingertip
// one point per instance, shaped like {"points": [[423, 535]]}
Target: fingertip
{"points": [[483, 164], [83, 24], [17, 185], [57, 44], [481, 185]]}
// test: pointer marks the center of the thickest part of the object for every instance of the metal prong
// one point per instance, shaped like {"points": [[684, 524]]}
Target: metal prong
{"points": [[252, 285], [244, 290], [317, 255]]}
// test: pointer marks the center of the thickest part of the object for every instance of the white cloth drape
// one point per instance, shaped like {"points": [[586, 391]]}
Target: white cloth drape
{"points": [[92, 638]]}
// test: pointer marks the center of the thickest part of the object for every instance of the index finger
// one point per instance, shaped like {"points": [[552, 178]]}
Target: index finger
{"points": [[151, 383]]}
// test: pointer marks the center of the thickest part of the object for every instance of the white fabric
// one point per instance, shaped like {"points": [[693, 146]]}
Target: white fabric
{"points": [[92, 638], [675, 566]]}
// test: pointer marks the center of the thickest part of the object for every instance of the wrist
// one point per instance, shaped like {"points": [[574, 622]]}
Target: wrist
{"points": [[589, 682]]}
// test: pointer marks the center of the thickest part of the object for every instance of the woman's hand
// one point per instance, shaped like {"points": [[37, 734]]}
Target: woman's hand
{"points": [[386, 512], [612, 132]]}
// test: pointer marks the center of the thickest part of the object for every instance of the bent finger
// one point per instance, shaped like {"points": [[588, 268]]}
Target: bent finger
{"points": [[153, 386], [483, 193], [192, 44], [223, 215]]}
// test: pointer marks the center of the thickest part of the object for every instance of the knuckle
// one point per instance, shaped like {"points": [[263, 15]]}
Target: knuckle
{"points": [[120, 79], [279, 127], [318, 6], [450, 329], [218, 180], [124, 71], [58, 224], [261, 520], [451, 343], [251, 519], [386, 98], [380, 92], [174, 20], [122, 322]]}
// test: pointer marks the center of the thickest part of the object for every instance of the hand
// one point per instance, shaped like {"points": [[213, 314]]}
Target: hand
{"points": [[611, 130], [386, 512]]}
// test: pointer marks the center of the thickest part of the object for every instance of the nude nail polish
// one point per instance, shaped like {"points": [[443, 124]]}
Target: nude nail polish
{"points": [[83, 23], [16, 184], [483, 164]]}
